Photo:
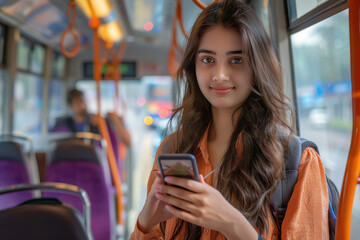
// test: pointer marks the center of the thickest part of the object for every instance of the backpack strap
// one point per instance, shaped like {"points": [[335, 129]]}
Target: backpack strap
{"points": [[283, 192]]}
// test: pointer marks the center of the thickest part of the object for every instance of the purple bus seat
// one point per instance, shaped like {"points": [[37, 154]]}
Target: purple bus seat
{"points": [[13, 170], [115, 145], [42, 219], [63, 127], [81, 164]]}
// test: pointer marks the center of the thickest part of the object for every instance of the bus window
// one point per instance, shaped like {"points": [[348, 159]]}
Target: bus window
{"points": [[24, 48], [56, 90], [28, 87], [28, 103], [37, 59], [321, 58]]}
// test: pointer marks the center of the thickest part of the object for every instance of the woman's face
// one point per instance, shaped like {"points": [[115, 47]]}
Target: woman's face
{"points": [[222, 73]]}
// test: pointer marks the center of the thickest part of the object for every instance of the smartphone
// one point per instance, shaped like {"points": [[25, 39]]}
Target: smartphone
{"points": [[178, 165]]}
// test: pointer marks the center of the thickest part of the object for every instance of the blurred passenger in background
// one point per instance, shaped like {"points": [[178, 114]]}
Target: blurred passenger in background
{"points": [[82, 121]]}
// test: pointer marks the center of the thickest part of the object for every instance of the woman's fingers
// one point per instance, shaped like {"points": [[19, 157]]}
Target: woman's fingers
{"points": [[188, 184], [182, 214], [178, 192], [179, 203]]}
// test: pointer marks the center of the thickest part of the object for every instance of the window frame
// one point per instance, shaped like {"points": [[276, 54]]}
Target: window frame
{"points": [[318, 14], [33, 44]]}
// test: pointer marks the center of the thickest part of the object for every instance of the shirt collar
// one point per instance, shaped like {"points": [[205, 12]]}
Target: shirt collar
{"points": [[202, 146]]}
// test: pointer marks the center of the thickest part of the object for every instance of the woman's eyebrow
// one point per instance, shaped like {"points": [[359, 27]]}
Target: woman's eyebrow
{"points": [[214, 53], [206, 51], [234, 52]]}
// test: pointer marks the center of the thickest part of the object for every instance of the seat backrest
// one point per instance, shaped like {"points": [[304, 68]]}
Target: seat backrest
{"points": [[42, 219], [13, 170], [75, 162], [75, 150]]}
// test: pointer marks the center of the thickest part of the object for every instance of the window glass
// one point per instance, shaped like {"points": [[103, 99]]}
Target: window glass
{"points": [[23, 53], [58, 67], [321, 57], [28, 104], [56, 90], [55, 101], [298, 8], [37, 59]]}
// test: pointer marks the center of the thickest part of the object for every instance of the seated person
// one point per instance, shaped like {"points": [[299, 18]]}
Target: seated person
{"points": [[82, 121]]}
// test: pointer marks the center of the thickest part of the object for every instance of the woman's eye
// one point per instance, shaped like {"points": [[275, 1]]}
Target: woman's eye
{"points": [[207, 60], [236, 60]]}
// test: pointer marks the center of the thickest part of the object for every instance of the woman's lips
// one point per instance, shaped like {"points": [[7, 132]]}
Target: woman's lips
{"points": [[221, 90]]}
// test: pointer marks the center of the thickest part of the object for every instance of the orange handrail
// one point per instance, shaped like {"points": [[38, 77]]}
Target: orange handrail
{"points": [[180, 18], [343, 226], [71, 7], [203, 6], [103, 127]]}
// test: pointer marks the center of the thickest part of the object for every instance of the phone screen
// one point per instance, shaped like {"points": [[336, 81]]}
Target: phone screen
{"points": [[178, 168], [178, 165]]}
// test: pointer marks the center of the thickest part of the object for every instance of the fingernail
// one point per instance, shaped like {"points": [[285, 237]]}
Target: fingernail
{"points": [[158, 196]]}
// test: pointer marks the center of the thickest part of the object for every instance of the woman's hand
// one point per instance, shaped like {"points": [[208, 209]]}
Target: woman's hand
{"points": [[203, 205], [154, 210]]}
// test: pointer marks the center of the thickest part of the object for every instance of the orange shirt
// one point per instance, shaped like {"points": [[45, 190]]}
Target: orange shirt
{"points": [[307, 212]]}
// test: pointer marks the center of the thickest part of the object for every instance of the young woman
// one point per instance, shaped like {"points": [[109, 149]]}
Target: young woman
{"points": [[234, 119]]}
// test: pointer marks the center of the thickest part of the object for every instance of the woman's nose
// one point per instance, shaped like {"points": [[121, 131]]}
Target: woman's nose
{"points": [[221, 73]]}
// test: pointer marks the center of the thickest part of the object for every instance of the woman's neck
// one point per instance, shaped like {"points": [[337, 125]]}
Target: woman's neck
{"points": [[220, 132], [222, 125]]}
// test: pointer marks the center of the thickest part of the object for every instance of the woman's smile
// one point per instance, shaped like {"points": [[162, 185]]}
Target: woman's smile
{"points": [[221, 90]]}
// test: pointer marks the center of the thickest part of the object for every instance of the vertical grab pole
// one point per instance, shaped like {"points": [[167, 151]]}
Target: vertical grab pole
{"points": [[343, 226], [103, 127]]}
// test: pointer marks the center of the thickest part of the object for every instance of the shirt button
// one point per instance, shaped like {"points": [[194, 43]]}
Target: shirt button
{"points": [[273, 237]]}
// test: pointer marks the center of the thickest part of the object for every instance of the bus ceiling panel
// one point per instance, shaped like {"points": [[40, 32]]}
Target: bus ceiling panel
{"points": [[41, 20], [147, 21], [146, 15]]}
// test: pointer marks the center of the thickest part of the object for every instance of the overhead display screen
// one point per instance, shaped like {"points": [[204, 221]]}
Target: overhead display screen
{"points": [[127, 68]]}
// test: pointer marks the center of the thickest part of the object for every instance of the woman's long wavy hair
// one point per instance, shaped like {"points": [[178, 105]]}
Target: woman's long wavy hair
{"points": [[264, 124]]}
